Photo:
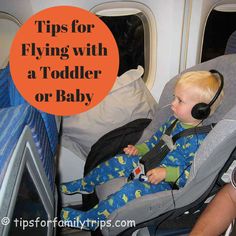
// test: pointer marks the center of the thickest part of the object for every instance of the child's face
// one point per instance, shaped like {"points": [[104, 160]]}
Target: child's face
{"points": [[184, 100]]}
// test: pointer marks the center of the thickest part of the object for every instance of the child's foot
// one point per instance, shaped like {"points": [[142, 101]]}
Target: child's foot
{"points": [[77, 219], [76, 186]]}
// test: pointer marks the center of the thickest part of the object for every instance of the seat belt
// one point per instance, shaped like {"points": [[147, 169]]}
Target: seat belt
{"points": [[166, 144]]}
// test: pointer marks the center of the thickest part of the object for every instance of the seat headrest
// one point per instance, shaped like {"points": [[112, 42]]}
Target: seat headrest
{"points": [[226, 65], [231, 44]]}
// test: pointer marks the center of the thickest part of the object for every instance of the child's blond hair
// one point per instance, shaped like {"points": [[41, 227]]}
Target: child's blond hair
{"points": [[207, 83]]}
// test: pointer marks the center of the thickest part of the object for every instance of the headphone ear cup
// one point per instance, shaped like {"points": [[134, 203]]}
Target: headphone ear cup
{"points": [[201, 111]]}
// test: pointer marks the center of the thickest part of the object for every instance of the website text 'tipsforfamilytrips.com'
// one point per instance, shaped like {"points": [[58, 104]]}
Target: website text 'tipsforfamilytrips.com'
{"points": [[38, 222]]}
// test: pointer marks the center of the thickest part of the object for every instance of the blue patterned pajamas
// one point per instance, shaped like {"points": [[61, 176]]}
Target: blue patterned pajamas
{"points": [[118, 166], [177, 163]]}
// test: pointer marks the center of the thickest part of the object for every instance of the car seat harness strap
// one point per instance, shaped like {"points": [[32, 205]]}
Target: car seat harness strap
{"points": [[166, 144]]}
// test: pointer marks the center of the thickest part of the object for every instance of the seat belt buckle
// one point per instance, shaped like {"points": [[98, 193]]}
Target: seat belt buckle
{"points": [[138, 173], [168, 141]]}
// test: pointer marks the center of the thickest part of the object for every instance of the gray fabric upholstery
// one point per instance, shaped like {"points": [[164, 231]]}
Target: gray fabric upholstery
{"points": [[208, 161], [231, 44], [224, 64]]}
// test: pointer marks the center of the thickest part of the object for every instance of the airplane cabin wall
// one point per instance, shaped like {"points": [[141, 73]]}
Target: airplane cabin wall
{"points": [[22, 11], [169, 18], [200, 11], [172, 27], [168, 15]]}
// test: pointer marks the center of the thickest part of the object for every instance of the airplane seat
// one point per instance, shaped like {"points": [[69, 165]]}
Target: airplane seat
{"points": [[16, 113], [210, 169], [4, 94], [28, 145], [231, 44], [10, 97]]}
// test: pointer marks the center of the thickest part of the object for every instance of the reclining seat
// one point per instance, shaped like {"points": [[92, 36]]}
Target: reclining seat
{"points": [[208, 163], [231, 44]]}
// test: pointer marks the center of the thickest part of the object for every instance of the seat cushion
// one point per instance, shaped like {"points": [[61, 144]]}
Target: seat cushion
{"points": [[81, 131]]}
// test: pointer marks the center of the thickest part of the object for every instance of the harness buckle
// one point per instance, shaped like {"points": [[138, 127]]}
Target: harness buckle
{"points": [[138, 173]]}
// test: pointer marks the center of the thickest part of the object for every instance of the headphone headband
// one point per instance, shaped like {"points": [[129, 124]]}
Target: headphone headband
{"points": [[219, 89], [202, 110]]}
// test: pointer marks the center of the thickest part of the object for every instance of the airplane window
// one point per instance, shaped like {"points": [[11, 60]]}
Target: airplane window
{"points": [[128, 31], [220, 25], [9, 25], [134, 28]]}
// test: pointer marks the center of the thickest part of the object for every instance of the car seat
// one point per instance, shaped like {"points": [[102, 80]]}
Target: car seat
{"points": [[210, 163]]}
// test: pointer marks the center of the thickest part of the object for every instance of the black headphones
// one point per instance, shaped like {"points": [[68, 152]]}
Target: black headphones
{"points": [[202, 110]]}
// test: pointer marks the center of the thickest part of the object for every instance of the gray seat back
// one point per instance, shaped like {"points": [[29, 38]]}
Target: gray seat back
{"points": [[231, 44], [227, 66], [209, 159]]}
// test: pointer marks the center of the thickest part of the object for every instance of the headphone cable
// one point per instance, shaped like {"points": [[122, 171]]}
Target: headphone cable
{"points": [[174, 185]]}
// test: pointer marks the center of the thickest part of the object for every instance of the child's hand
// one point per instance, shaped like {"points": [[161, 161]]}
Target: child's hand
{"points": [[156, 175], [131, 150]]}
